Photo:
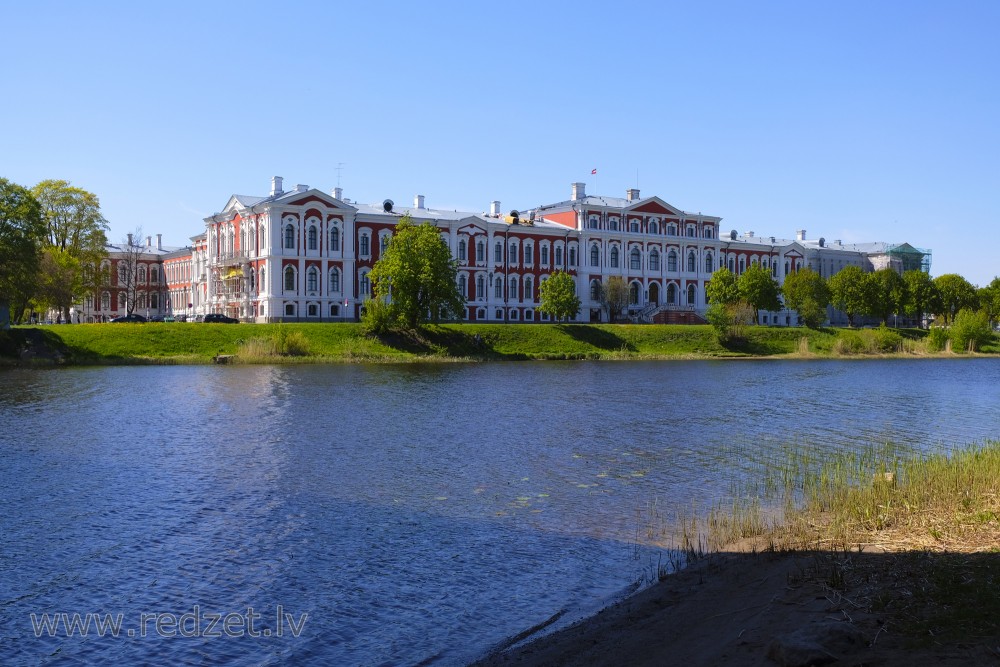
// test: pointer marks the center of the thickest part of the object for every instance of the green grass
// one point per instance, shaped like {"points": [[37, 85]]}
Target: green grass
{"points": [[182, 342]]}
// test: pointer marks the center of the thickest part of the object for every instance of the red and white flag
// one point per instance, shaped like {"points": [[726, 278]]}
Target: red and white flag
{"points": [[593, 171]]}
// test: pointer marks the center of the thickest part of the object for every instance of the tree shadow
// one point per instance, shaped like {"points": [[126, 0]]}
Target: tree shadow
{"points": [[600, 338]]}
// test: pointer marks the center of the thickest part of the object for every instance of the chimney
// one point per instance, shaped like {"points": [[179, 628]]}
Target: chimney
{"points": [[418, 201], [130, 238], [275, 185], [632, 194], [494, 209], [301, 188], [748, 235], [338, 193], [579, 191], [837, 242], [149, 241], [159, 241], [800, 235]]}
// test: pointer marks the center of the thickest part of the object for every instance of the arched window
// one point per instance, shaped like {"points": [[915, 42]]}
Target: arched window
{"points": [[671, 261], [613, 224], [252, 276], [480, 251], [654, 260], [634, 260], [691, 230], [312, 279], [365, 285], [334, 280], [708, 263], [154, 300], [123, 274], [614, 257], [498, 252], [633, 294], [334, 238], [154, 275], [364, 245], [732, 265], [121, 299], [691, 293], [672, 293], [528, 294], [691, 261], [671, 230], [105, 301], [595, 290], [634, 227], [545, 255], [512, 295], [709, 232], [595, 256], [480, 286], [654, 227], [383, 243], [743, 264], [289, 236], [594, 224], [463, 286], [498, 288], [461, 250], [289, 279], [312, 237], [529, 253], [572, 256], [512, 258], [559, 256], [786, 267]]}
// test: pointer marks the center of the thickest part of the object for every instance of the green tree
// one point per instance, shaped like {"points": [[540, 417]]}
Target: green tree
{"points": [[885, 294], [558, 296], [989, 300], [76, 231], [723, 288], [921, 294], [847, 291], [970, 331], [22, 233], [614, 297], [418, 275], [759, 289], [808, 294], [956, 293]]}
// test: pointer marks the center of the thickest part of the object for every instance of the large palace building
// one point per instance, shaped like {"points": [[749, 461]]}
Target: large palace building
{"points": [[304, 255]]}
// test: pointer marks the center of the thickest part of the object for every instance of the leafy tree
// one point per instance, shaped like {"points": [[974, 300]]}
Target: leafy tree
{"points": [[847, 291], [76, 230], [418, 275], [989, 300], [921, 294], [614, 297], [885, 294], [723, 287], [970, 331], [22, 232], [759, 289], [558, 296], [956, 293], [808, 294]]}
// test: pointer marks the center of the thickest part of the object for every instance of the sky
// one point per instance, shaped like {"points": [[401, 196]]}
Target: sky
{"points": [[858, 121]]}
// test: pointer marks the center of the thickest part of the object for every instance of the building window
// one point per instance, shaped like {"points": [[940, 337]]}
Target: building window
{"points": [[529, 254], [252, 276], [654, 227], [786, 268], [498, 252], [559, 256], [154, 275], [334, 280], [709, 233], [513, 314], [743, 264], [595, 290], [545, 255], [154, 300], [671, 230], [313, 310], [480, 252], [311, 237], [289, 237], [498, 287], [383, 243], [289, 279], [595, 256], [633, 294], [732, 265], [613, 224], [691, 294], [363, 245], [289, 310], [708, 263], [671, 261], [142, 274], [463, 287], [105, 301], [594, 224], [527, 289], [572, 256], [335, 239], [614, 257], [513, 289], [654, 260], [334, 310], [691, 262], [461, 250], [498, 314], [512, 258], [480, 286], [312, 279], [691, 231], [634, 260], [634, 227]]}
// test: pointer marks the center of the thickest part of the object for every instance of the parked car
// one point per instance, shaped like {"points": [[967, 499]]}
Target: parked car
{"points": [[181, 318], [219, 318], [168, 318], [130, 318]]}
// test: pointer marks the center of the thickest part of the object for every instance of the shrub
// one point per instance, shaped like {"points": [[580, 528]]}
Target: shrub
{"points": [[937, 339], [885, 340], [296, 344], [377, 317], [970, 331]]}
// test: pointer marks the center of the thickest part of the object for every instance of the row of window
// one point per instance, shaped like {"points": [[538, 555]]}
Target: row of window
{"points": [[153, 300], [652, 227], [635, 259], [634, 291]]}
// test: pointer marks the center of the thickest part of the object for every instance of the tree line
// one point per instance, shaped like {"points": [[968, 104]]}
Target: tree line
{"points": [[53, 238], [879, 295]]}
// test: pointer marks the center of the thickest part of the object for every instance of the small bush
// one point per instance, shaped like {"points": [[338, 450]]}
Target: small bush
{"points": [[970, 331], [937, 339], [885, 340], [377, 317], [296, 344]]}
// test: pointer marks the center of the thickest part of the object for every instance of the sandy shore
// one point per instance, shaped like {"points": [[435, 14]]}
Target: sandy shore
{"points": [[749, 609]]}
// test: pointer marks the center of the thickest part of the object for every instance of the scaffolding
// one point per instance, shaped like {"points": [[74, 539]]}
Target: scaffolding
{"points": [[910, 257]]}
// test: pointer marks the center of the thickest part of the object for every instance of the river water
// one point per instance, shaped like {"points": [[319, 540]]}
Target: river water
{"points": [[395, 515]]}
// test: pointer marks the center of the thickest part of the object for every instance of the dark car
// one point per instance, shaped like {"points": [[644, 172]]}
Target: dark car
{"points": [[130, 318], [220, 319]]}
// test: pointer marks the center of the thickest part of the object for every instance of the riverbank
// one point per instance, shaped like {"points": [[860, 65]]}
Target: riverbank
{"points": [[901, 571], [194, 343]]}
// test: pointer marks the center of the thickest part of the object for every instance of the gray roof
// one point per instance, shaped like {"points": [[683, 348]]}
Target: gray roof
{"points": [[613, 202]]}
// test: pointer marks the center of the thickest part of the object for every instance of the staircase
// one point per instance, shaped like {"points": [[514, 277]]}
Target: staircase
{"points": [[671, 314]]}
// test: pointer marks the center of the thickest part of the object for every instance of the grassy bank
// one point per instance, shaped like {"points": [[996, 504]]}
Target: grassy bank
{"points": [[180, 342]]}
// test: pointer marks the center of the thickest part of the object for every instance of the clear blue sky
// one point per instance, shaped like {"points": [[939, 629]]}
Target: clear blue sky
{"points": [[860, 121]]}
